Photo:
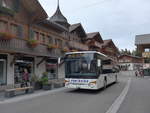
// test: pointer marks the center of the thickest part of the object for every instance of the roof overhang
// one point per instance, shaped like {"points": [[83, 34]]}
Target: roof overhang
{"points": [[142, 39], [79, 30], [34, 9]]}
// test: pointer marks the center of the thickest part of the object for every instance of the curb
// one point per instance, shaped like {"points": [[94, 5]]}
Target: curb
{"points": [[30, 96]]}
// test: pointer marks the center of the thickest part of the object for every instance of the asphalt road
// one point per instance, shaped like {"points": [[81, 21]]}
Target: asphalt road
{"points": [[84, 101], [138, 97]]}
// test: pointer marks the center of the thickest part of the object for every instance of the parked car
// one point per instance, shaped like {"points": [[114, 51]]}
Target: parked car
{"points": [[147, 72]]}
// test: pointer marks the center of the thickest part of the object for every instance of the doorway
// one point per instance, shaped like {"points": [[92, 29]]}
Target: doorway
{"points": [[3, 72]]}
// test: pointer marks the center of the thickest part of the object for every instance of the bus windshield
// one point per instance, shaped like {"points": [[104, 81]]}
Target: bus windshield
{"points": [[80, 65]]}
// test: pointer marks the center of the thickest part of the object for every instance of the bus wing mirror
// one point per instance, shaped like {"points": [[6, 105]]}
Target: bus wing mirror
{"points": [[98, 63], [59, 60]]}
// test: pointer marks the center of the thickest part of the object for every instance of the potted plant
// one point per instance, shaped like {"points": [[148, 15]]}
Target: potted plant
{"points": [[65, 49], [51, 46], [45, 82], [73, 50], [6, 36], [33, 43], [36, 83]]}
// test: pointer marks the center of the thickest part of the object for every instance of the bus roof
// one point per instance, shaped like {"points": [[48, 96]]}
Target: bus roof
{"points": [[87, 52]]}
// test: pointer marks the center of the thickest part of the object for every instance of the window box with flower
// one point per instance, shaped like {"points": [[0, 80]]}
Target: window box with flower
{"points": [[6, 36], [65, 49], [33, 43], [51, 46]]}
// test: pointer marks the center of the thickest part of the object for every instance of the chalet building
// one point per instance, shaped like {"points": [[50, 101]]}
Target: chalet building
{"points": [[77, 37], [143, 46], [94, 41], [129, 62], [109, 48], [28, 40]]}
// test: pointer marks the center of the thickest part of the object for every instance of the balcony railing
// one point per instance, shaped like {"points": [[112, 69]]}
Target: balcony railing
{"points": [[146, 54], [21, 46], [95, 44], [77, 45]]}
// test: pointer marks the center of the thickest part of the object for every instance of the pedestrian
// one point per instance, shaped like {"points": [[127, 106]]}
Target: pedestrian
{"points": [[25, 77], [141, 73], [136, 73]]}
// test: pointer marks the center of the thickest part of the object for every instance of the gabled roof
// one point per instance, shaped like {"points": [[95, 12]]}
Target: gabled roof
{"points": [[95, 35], [130, 56], [35, 9], [53, 25], [142, 39], [107, 42], [77, 28], [73, 27]]}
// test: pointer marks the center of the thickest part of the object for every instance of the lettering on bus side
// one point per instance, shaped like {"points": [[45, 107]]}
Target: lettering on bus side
{"points": [[80, 81]]}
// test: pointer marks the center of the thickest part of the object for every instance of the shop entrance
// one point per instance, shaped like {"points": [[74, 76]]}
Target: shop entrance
{"points": [[2, 72], [51, 68], [22, 65]]}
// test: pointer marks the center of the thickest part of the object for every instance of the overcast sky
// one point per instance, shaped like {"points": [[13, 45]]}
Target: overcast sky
{"points": [[119, 20]]}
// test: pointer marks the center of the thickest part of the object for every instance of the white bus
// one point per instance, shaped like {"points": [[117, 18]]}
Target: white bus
{"points": [[88, 70]]}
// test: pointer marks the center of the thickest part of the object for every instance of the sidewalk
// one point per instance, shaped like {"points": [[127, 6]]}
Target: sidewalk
{"points": [[21, 97]]}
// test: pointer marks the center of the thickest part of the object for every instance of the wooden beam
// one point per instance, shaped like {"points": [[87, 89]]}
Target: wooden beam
{"points": [[42, 60]]}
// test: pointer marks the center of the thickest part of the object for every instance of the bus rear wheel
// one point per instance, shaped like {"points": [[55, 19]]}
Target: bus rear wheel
{"points": [[116, 78], [105, 83]]}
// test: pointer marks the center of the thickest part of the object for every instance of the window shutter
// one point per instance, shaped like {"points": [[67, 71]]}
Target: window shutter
{"points": [[0, 2], [16, 5], [20, 31], [31, 34]]}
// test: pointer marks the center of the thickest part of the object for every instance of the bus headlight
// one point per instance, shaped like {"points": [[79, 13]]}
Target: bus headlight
{"points": [[93, 83], [66, 81]]}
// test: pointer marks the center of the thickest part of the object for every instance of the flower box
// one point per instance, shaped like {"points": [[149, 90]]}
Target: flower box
{"points": [[33, 43], [65, 49], [73, 50], [6, 36], [52, 46]]}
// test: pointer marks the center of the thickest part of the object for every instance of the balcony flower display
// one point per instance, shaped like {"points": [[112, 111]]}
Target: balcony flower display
{"points": [[51, 46], [73, 50], [65, 49], [33, 43], [6, 36]]}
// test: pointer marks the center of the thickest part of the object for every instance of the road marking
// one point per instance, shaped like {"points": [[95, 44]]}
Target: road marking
{"points": [[116, 105], [30, 96]]}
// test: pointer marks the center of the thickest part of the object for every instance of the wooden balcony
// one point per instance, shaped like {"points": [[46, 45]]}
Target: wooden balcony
{"points": [[21, 46], [96, 44], [78, 46]]}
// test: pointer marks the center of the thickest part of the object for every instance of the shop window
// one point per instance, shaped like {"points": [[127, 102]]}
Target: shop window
{"points": [[3, 26], [20, 66], [14, 29]]}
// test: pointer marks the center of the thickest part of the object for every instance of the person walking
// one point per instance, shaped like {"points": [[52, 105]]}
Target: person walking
{"points": [[25, 77], [136, 73], [142, 73]]}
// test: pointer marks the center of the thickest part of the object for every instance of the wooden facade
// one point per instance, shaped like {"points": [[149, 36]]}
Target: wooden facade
{"points": [[28, 39], [129, 62]]}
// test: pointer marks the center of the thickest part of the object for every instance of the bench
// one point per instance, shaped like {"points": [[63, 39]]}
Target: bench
{"points": [[13, 92]]}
